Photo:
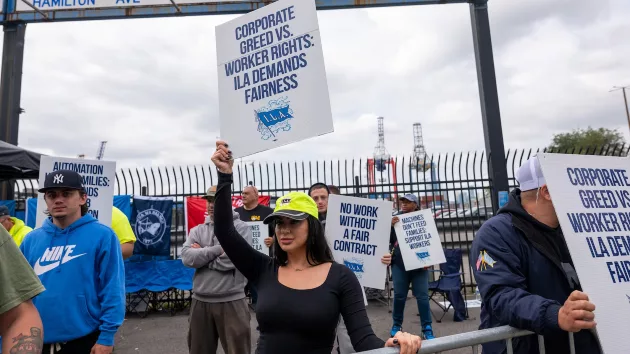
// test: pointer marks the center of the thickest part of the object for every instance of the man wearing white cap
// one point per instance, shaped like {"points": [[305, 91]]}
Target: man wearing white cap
{"points": [[526, 276]]}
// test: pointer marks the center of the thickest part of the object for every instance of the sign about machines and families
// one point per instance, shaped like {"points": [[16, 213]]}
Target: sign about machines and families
{"points": [[357, 230], [272, 80], [419, 240], [260, 232], [98, 180], [591, 196]]}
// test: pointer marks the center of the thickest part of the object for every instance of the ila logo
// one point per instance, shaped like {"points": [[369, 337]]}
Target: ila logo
{"points": [[274, 119], [150, 226]]}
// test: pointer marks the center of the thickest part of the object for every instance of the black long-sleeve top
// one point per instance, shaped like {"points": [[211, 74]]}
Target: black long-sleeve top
{"points": [[293, 320]]}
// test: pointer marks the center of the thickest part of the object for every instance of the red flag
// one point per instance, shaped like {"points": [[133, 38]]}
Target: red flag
{"points": [[237, 200], [196, 211]]}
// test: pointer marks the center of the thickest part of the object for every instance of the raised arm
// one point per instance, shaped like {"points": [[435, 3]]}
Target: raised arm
{"points": [[246, 259], [224, 263]]}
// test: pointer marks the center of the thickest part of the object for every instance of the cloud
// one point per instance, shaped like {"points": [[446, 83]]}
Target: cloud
{"points": [[148, 86]]}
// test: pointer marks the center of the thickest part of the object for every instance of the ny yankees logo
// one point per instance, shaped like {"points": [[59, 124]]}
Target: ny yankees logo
{"points": [[58, 179]]}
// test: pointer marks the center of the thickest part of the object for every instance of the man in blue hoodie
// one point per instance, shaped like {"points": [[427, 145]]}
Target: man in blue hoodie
{"points": [[526, 276], [79, 262]]}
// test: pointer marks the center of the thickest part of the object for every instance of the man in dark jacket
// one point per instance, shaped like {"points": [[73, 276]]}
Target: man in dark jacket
{"points": [[526, 276]]}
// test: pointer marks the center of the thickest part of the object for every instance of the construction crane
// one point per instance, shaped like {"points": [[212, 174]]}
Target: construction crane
{"points": [[379, 163], [380, 152], [419, 153], [101, 150]]}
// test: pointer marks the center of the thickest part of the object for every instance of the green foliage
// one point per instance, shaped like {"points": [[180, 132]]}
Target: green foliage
{"points": [[585, 140]]}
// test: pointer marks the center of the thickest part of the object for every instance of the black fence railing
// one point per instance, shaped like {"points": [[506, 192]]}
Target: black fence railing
{"points": [[456, 186]]}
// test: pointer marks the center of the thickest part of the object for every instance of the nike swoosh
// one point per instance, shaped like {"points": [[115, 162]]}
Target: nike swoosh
{"points": [[40, 269], [67, 258]]}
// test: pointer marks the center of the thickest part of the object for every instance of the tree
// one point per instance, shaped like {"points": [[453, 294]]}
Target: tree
{"points": [[584, 141]]}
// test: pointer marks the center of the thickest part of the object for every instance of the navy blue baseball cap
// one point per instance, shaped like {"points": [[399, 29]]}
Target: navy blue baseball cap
{"points": [[4, 210], [62, 179], [410, 197]]}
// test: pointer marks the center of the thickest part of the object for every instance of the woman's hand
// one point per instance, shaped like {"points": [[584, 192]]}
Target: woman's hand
{"points": [[386, 259], [222, 157], [408, 343]]}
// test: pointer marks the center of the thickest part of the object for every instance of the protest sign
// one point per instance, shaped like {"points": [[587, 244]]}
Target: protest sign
{"points": [[272, 80], [260, 232], [357, 230], [591, 196], [419, 240], [98, 179]]}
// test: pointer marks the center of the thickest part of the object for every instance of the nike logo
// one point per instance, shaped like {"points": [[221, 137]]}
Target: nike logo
{"points": [[55, 254]]}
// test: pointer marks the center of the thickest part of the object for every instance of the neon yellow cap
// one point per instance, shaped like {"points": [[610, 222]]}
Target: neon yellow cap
{"points": [[294, 205]]}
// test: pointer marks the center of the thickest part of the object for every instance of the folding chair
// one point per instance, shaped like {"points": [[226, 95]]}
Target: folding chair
{"points": [[448, 281]]}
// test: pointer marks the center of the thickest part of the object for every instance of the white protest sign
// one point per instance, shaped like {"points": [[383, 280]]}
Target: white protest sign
{"points": [[272, 80], [419, 240], [260, 232], [591, 196], [357, 230], [98, 179]]}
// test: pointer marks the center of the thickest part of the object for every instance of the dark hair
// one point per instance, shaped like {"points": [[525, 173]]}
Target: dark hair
{"points": [[318, 185], [317, 250], [84, 207]]}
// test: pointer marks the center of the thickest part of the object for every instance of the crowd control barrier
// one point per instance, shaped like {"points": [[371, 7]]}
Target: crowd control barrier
{"points": [[473, 339]]}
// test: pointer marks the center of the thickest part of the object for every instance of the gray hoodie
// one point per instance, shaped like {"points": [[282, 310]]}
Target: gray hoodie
{"points": [[216, 279]]}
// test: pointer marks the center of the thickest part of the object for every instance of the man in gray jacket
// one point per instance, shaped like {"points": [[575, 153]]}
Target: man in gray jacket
{"points": [[219, 308]]}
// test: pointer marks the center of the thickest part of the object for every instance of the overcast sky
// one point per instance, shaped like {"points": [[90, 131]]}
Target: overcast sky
{"points": [[149, 87]]}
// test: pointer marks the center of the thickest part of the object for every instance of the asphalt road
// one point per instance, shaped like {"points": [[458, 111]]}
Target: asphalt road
{"points": [[162, 333]]}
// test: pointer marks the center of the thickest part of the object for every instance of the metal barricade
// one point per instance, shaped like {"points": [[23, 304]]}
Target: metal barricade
{"points": [[473, 339]]}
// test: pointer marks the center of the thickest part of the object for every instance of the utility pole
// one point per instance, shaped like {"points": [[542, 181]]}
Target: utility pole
{"points": [[625, 99]]}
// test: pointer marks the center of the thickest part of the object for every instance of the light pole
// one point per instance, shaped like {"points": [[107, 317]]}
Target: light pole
{"points": [[625, 99]]}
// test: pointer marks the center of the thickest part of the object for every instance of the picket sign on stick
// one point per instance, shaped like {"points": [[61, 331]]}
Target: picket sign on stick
{"points": [[418, 239], [591, 196], [272, 80], [357, 230]]}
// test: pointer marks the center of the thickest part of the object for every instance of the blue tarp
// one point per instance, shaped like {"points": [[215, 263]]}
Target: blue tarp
{"points": [[122, 202], [157, 276]]}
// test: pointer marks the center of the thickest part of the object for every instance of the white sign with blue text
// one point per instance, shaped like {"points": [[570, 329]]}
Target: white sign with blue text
{"points": [[357, 230], [98, 180], [419, 240], [272, 79], [591, 196]]}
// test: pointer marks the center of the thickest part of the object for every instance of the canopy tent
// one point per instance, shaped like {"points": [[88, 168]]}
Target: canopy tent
{"points": [[17, 163]]}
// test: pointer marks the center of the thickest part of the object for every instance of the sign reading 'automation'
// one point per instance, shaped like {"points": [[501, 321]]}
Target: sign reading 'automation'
{"points": [[52, 5]]}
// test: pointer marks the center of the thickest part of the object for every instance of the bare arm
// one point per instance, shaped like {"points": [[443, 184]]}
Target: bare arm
{"points": [[127, 249], [22, 330]]}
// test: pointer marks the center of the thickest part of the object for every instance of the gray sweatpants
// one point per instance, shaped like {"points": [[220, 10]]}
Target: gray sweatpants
{"points": [[225, 321]]}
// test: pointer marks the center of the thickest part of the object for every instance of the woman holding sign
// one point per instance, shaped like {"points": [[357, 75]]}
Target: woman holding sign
{"points": [[301, 290]]}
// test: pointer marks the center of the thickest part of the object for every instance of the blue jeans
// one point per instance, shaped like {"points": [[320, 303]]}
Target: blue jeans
{"points": [[419, 279]]}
